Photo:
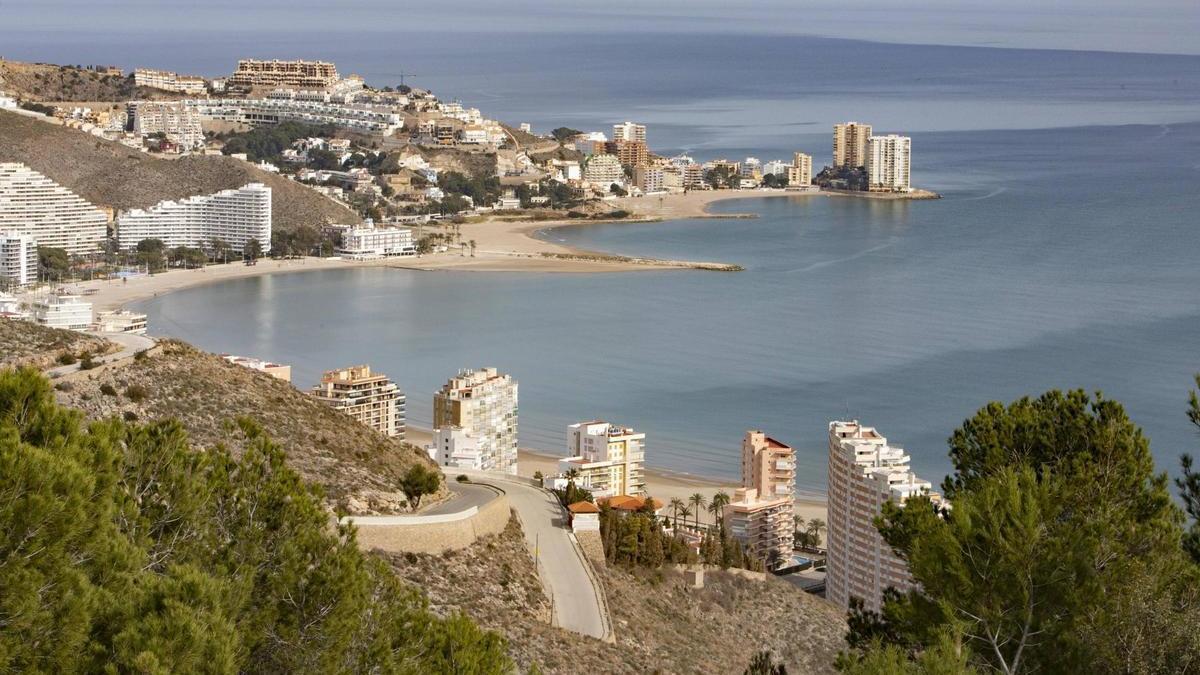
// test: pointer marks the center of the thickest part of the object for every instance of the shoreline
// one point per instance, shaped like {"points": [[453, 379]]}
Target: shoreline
{"points": [[663, 484], [501, 246]]}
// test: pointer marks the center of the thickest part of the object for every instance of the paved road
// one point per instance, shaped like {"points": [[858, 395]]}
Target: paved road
{"points": [[576, 605], [129, 343], [467, 496]]}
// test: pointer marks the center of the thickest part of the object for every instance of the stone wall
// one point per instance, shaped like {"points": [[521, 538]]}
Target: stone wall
{"points": [[433, 534]]}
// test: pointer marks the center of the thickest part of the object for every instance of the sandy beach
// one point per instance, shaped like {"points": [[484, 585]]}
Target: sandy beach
{"points": [[664, 485]]}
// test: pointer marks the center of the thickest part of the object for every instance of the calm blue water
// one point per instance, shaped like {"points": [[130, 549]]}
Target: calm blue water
{"points": [[1045, 265], [1064, 254]]}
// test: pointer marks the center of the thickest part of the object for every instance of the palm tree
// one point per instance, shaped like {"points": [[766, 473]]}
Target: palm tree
{"points": [[815, 526], [676, 505], [698, 501], [719, 502], [472, 245], [685, 512]]}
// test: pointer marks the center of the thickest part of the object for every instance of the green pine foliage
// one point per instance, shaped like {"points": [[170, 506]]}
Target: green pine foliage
{"points": [[123, 549], [1063, 552]]}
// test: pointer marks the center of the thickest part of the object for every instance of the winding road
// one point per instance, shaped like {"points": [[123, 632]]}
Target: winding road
{"points": [[129, 343]]}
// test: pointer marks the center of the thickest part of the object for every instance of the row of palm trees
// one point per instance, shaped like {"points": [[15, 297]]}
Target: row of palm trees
{"points": [[807, 535], [697, 504]]}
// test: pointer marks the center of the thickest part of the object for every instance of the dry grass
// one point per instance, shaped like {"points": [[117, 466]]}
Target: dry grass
{"points": [[660, 624], [109, 174], [27, 344]]}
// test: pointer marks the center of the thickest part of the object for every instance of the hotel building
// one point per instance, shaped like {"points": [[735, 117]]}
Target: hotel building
{"points": [[275, 73], [18, 259], [649, 179], [864, 473], [760, 515], [889, 160], [369, 242], [31, 203], [233, 216], [67, 312], [370, 398], [180, 123], [629, 132], [166, 80], [609, 458], [483, 403], [799, 174], [603, 171], [850, 144]]}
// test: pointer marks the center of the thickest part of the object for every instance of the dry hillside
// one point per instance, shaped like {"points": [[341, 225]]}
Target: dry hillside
{"points": [[203, 391], [27, 344], [660, 625], [49, 82], [107, 173]]}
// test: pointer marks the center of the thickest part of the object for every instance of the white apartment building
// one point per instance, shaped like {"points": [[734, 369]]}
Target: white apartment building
{"points": [[370, 398], [259, 111], [864, 473], [603, 170], [10, 307], [276, 370], [587, 142], [454, 447], [751, 168], [889, 160], [628, 131], [483, 403], [775, 167], [18, 259], [168, 81], [760, 515], [67, 312], [31, 203], [799, 174], [649, 179], [370, 242], [233, 216], [566, 170], [178, 122], [610, 459], [850, 144], [121, 321]]}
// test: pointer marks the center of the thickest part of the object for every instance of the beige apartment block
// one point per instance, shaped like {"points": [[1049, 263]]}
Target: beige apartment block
{"points": [[276, 73], [850, 144], [483, 403], [864, 473], [760, 515], [610, 459], [800, 172], [370, 398]]}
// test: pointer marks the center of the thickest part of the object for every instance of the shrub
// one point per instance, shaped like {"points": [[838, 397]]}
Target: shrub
{"points": [[463, 478], [108, 390], [64, 386], [130, 416], [86, 362], [136, 392], [67, 359]]}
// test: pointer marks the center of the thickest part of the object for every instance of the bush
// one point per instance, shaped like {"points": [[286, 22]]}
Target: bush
{"points": [[86, 362], [67, 359], [130, 416], [136, 392], [108, 390], [463, 478], [64, 386]]}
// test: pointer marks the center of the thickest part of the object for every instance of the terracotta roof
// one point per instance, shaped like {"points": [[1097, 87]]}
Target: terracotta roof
{"points": [[629, 503], [583, 507]]}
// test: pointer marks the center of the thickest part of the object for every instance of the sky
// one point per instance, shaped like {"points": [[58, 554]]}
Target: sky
{"points": [[1153, 26]]}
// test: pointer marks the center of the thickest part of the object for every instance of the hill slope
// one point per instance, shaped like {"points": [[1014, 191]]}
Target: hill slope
{"points": [[107, 173]]}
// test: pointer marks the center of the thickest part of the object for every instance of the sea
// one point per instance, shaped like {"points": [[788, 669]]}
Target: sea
{"points": [[1063, 254]]}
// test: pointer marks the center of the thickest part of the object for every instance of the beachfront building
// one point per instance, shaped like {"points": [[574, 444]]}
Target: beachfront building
{"points": [[370, 398], [167, 80], [649, 179], [456, 448], [68, 312], [177, 122], [889, 160], [369, 242], [275, 370], [275, 73], [609, 459], [234, 216], [760, 515], [18, 259], [121, 321], [629, 132], [31, 203], [603, 171], [483, 403], [850, 144], [864, 473], [799, 174]]}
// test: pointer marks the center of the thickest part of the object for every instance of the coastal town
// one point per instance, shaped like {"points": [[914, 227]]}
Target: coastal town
{"points": [[406, 164]]}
